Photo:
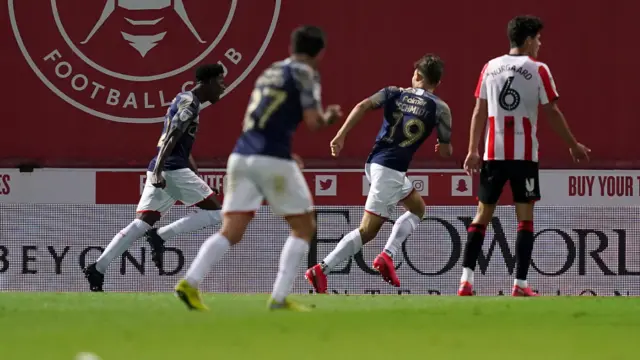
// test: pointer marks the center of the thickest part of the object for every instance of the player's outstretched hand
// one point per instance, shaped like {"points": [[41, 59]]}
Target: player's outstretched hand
{"points": [[472, 163], [336, 145], [298, 160], [157, 180], [445, 150], [332, 114], [580, 153]]}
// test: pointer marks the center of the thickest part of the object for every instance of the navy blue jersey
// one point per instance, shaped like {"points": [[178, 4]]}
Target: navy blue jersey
{"points": [[409, 118], [182, 114], [281, 94]]}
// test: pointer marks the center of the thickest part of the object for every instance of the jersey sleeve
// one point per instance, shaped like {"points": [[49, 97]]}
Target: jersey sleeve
{"points": [[308, 83], [481, 87], [547, 90], [443, 127], [186, 113], [380, 98]]}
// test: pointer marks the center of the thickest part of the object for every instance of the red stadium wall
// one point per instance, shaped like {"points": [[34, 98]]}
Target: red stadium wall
{"points": [[84, 115]]}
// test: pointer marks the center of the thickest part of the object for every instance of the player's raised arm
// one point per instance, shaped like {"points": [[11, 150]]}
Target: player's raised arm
{"points": [[178, 125], [373, 102], [308, 83], [548, 99], [443, 128]]}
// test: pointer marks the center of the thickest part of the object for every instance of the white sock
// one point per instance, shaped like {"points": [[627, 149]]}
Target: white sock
{"points": [[347, 247], [121, 242], [210, 253], [189, 223], [521, 283], [290, 259], [467, 275], [404, 226]]}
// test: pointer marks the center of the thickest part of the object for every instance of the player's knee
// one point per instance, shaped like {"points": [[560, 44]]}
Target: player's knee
{"points": [[210, 204], [367, 233], [305, 234], [484, 213], [234, 226], [415, 204], [303, 226], [524, 211], [150, 217], [233, 236], [370, 226], [419, 212]]}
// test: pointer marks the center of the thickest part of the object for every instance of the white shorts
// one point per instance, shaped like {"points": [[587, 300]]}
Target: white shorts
{"points": [[182, 184], [254, 178], [388, 187]]}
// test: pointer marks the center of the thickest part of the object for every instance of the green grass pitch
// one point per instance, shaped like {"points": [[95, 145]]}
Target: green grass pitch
{"points": [[141, 326]]}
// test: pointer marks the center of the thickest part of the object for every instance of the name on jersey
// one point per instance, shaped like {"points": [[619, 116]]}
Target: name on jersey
{"points": [[273, 77], [412, 105], [518, 70]]}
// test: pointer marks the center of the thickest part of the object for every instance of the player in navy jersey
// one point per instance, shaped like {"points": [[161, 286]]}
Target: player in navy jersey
{"points": [[410, 115], [262, 167], [171, 176]]}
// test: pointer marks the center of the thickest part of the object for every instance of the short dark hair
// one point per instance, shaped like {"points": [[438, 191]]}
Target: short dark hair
{"points": [[204, 73], [522, 27], [430, 67], [307, 40]]}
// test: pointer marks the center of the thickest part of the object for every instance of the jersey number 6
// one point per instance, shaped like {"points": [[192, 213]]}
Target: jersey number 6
{"points": [[509, 98], [264, 102]]}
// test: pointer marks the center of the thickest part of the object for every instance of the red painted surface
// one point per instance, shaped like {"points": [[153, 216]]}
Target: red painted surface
{"points": [[371, 44]]}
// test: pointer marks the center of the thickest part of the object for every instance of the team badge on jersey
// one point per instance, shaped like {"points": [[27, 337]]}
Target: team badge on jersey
{"points": [[123, 60], [186, 114]]}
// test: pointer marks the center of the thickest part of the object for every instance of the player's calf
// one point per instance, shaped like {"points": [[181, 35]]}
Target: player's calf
{"points": [[402, 229], [524, 249], [118, 245], [351, 243], [214, 248], [404, 226], [156, 243], [192, 222], [473, 247], [303, 227]]}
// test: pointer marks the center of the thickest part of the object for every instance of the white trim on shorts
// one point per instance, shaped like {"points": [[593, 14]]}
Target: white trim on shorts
{"points": [[388, 187], [251, 179], [182, 184]]}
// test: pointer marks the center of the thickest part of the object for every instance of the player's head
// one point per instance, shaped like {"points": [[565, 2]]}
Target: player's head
{"points": [[210, 79], [524, 34], [427, 72], [308, 42]]}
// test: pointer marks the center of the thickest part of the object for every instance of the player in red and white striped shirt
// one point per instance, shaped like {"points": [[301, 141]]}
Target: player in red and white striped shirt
{"points": [[508, 93]]}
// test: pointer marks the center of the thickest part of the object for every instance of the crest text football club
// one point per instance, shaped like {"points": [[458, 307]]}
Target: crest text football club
{"points": [[124, 60]]}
